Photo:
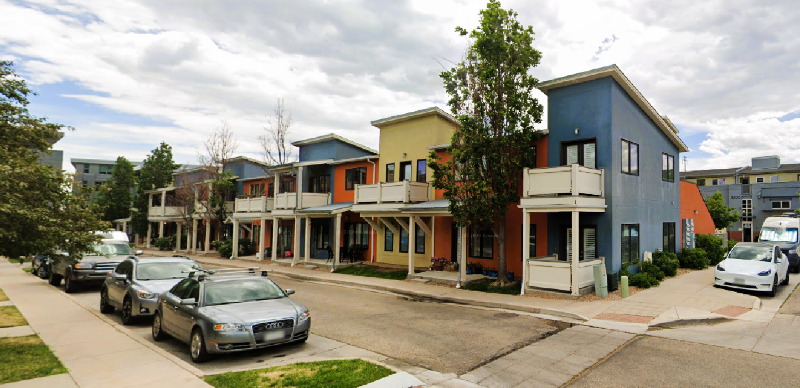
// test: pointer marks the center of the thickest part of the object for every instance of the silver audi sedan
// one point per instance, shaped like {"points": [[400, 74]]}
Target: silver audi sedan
{"points": [[134, 285], [223, 311]]}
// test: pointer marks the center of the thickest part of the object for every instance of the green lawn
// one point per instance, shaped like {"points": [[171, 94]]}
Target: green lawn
{"points": [[17, 261], [27, 269], [10, 317], [3, 296], [25, 358], [374, 272], [485, 285], [322, 374]]}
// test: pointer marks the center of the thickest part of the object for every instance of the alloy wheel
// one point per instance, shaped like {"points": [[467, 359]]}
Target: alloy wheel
{"points": [[156, 326], [196, 345], [126, 311]]}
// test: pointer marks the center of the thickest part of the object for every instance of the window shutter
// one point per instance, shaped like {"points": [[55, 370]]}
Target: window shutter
{"points": [[589, 244], [572, 155], [589, 155]]}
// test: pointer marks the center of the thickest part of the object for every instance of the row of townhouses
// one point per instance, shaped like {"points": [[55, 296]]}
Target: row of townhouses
{"points": [[603, 185]]}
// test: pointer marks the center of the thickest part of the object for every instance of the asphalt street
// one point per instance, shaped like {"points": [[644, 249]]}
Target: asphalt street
{"points": [[656, 362], [442, 337]]}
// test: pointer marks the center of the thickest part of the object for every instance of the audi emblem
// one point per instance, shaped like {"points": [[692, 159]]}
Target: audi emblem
{"points": [[273, 325]]}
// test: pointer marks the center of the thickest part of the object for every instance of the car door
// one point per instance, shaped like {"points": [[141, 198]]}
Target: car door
{"points": [[783, 264], [116, 288], [169, 306], [184, 314]]}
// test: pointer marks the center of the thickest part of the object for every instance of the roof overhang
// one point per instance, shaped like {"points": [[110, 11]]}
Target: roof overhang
{"points": [[614, 72], [329, 137], [433, 111], [326, 210], [359, 159]]}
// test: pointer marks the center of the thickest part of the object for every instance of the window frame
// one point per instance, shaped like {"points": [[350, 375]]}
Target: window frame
{"points": [[759, 179], [389, 178], [773, 179], [482, 241], [351, 175], [422, 178], [668, 236], [105, 169], [630, 227], [629, 171], [388, 235], [86, 169], [581, 153], [701, 182], [402, 172], [668, 173], [531, 236], [400, 243], [781, 202]]}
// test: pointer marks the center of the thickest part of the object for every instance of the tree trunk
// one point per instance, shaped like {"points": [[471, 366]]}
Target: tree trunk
{"points": [[500, 236]]}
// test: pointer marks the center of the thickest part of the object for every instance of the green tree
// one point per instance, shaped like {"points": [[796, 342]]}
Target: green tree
{"points": [[156, 173], [491, 95], [722, 215], [115, 194], [39, 213]]}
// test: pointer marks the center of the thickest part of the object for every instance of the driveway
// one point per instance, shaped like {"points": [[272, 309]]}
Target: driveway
{"points": [[442, 337]]}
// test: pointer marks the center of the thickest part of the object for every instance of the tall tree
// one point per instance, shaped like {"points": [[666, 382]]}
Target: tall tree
{"points": [[115, 194], [722, 215], [39, 213], [220, 189], [491, 95], [156, 173], [273, 140]]}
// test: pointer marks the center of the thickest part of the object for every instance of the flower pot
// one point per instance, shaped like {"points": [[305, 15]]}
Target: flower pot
{"points": [[469, 271], [510, 276], [494, 274], [485, 273]]}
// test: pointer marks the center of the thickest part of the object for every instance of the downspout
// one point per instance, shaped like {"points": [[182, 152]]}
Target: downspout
{"points": [[736, 175], [372, 235]]}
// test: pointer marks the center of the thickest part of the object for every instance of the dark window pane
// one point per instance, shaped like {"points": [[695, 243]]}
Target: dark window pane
{"points": [[388, 240], [419, 240], [421, 171], [390, 173], [634, 159], [403, 241]]}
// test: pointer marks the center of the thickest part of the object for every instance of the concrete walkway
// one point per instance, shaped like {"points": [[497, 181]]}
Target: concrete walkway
{"points": [[95, 353]]}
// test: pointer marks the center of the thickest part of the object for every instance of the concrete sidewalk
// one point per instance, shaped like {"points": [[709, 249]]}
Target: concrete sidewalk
{"points": [[96, 353]]}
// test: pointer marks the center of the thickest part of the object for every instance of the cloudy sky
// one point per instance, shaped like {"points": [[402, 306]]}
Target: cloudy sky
{"points": [[128, 74]]}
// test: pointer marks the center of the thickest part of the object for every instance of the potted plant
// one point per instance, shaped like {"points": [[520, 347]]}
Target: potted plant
{"points": [[510, 276]]}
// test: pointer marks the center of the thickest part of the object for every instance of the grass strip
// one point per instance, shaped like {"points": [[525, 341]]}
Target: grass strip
{"points": [[3, 296], [323, 374], [374, 273], [486, 285], [25, 358], [27, 269], [10, 317]]}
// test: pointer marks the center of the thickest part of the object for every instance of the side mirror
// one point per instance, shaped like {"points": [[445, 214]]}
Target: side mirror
{"points": [[289, 291], [189, 302], [139, 252], [120, 277]]}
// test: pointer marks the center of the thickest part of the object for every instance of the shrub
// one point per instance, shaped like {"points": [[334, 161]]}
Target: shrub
{"points": [[713, 247], [642, 280], [731, 244], [165, 243], [225, 247], [693, 258], [247, 247], [667, 262], [651, 269]]}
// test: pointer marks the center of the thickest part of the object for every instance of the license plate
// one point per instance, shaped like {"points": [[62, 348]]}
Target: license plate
{"points": [[274, 335], [738, 280]]}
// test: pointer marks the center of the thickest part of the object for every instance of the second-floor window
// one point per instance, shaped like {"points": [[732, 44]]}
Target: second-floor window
{"points": [[286, 187], [760, 179], [781, 204], [321, 184], [390, 173], [405, 171], [85, 168], [718, 182], [354, 176], [530, 158], [421, 171], [701, 182], [582, 152], [105, 169], [667, 168], [630, 158]]}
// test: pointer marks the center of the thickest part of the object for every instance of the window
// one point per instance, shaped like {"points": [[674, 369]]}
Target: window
{"points": [[403, 240], [388, 239], [105, 169], [390, 173], [773, 178], [781, 204], [701, 182], [669, 237], [582, 152], [180, 289], [630, 158], [271, 189], [667, 168], [481, 243], [587, 250], [630, 243], [286, 186], [320, 235], [719, 182], [421, 171], [419, 239], [85, 168], [321, 184], [530, 158], [356, 234], [405, 171], [747, 208], [760, 179], [354, 176]]}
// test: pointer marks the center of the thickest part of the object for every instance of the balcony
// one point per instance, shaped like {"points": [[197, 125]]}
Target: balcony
{"points": [[289, 200], [256, 204], [200, 208], [166, 211], [404, 192], [564, 188]]}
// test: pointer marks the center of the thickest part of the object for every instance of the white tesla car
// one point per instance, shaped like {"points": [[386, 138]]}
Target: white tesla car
{"points": [[753, 266]]}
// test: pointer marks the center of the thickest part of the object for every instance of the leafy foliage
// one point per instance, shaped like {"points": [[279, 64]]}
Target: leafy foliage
{"points": [[667, 262], [225, 247], [165, 243], [39, 213], [115, 194], [713, 247], [491, 95], [722, 215], [731, 244], [651, 268], [156, 173], [693, 258], [643, 280]]}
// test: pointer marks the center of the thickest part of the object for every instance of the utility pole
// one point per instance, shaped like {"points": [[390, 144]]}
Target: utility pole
{"points": [[685, 164]]}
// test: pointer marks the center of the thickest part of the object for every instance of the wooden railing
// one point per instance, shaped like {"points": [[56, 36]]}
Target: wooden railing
{"points": [[404, 191], [574, 180]]}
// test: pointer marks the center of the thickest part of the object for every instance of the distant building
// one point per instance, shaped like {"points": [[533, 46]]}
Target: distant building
{"points": [[92, 172], [766, 188], [54, 158]]}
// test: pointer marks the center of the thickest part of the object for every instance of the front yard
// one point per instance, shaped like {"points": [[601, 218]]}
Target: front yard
{"points": [[10, 317], [25, 358]]}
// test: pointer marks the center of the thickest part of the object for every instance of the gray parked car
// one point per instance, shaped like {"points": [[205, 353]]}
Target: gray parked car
{"points": [[227, 311], [135, 284]]}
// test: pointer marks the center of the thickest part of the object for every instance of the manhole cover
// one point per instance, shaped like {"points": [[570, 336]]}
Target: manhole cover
{"points": [[505, 315]]}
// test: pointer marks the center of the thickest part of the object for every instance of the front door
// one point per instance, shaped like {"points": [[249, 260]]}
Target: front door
{"points": [[405, 171], [581, 152], [747, 231], [587, 248]]}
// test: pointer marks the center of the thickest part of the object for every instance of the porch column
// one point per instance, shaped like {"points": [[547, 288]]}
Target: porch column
{"points": [[149, 233], [308, 240], [235, 238], [178, 238], [160, 229], [163, 203], [296, 245], [337, 226], [411, 245], [193, 249], [208, 236], [275, 222], [526, 247], [299, 190], [136, 239], [433, 237], [262, 235], [462, 248], [125, 226], [575, 252]]}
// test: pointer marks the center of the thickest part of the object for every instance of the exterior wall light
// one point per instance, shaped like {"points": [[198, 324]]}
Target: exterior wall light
{"points": [[577, 130], [404, 154]]}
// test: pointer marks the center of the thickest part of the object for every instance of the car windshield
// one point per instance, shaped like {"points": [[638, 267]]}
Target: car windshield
{"points": [[751, 252], [166, 270], [110, 250], [240, 291], [779, 235]]}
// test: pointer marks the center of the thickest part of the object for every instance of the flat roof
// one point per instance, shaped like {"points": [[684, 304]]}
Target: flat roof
{"points": [[96, 161], [416, 114]]}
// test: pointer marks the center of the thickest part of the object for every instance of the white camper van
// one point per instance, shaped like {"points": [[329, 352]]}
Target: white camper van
{"points": [[783, 231]]}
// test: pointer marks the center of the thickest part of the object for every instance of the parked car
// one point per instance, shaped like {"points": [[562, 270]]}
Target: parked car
{"points": [[90, 267], [753, 266], [40, 266], [783, 231], [224, 311], [134, 285]]}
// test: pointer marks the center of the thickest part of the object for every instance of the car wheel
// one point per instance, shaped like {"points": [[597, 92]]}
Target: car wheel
{"points": [[796, 268], [69, 285], [127, 313], [158, 332], [105, 307], [197, 347], [34, 271], [786, 280], [43, 273], [55, 280], [774, 289]]}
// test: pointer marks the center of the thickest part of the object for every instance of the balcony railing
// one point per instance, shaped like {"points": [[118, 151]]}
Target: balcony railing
{"points": [[404, 191], [289, 200], [256, 204], [574, 180], [166, 211], [200, 207]]}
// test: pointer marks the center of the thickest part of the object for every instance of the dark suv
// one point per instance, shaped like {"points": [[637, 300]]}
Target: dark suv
{"points": [[88, 268]]}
